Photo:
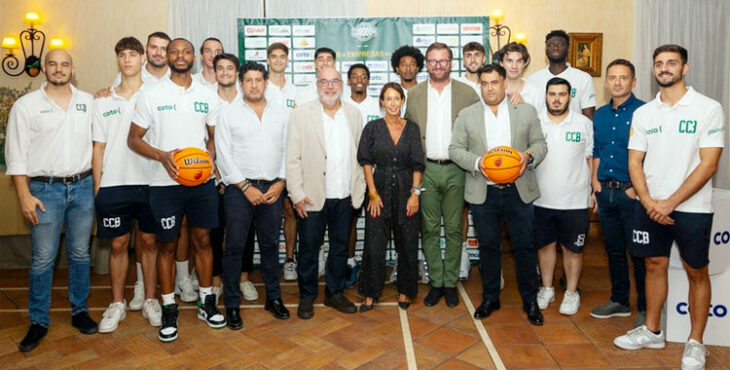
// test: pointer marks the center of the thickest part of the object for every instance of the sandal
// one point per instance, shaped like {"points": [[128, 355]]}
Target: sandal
{"points": [[404, 304], [366, 308]]}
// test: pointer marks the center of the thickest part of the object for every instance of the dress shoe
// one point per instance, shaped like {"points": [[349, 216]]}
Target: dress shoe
{"points": [[404, 304], [485, 309], [433, 296], [84, 323], [36, 332], [534, 316], [452, 297], [277, 308], [365, 308], [340, 303], [305, 310], [233, 318]]}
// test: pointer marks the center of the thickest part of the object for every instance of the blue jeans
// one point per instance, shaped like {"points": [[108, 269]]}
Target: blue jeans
{"points": [[616, 213], [73, 206]]}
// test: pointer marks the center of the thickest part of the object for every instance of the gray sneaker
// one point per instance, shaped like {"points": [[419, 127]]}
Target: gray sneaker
{"points": [[611, 309], [640, 319]]}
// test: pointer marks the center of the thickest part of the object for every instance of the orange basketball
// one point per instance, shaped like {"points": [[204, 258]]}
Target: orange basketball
{"points": [[502, 164], [193, 166]]}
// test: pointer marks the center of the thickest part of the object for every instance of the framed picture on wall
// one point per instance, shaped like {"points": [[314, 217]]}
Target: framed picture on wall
{"points": [[585, 52]]}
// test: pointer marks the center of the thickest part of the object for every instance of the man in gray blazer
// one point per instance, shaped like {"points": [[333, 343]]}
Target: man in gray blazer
{"points": [[487, 124], [325, 182]]}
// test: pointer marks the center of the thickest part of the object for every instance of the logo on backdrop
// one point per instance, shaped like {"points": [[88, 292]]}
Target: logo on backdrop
{"points": [[363, 31], [715, 310], [721, 237]]}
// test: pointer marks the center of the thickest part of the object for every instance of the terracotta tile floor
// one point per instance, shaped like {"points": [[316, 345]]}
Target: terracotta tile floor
{"points": [[442, 337]]}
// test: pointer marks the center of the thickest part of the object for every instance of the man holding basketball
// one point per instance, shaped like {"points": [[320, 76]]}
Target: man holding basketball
{"points": [[487, 124], [174, 114]]}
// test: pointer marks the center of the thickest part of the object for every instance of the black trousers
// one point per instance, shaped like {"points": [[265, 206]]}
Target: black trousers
{"points": [[217, 236]]}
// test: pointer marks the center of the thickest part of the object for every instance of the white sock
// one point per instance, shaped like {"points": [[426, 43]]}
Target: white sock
{"points": [[168, 299], [351, 262], [140, 277], [204, 292], [182, 270]]}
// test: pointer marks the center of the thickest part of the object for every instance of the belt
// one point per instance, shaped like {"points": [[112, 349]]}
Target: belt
{"points": [[503, 186], [442, 162], [263, 182], [613, 184], [66, 180]]}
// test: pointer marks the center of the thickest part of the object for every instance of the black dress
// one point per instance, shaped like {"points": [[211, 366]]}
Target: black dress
{"points": [[393, 165]]}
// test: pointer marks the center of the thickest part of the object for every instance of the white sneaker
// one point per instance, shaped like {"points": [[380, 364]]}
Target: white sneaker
{"points": [[422, 272], [640, 337], [545, 296], [115, 313], [194, 280], [465, 263], [571, 303], [185, 290], [152, 311], [501, 280], [290, 270], [322, 262], [249, 291], [694, 355], [217, 291], [138, 300]]}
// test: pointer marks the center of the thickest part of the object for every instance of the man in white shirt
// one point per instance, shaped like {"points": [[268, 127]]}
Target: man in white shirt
{"points": [[407, 61], [175, 114], [683, 129], [582, 93], [255, 179], [323, 58], [155, 68], [474, 56], [358, 78], [122, 188], [208, 51], [48, 154], [564, 178], [515, 58], [325, 183]]}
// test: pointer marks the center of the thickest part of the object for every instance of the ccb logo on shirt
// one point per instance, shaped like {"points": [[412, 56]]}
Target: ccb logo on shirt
{"points": [[81, 108], [572, 92], [201, 107], [572, 136], [687, 126]]}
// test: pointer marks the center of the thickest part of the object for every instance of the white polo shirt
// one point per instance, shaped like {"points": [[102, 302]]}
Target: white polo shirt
{"points": [[563, 176], [148, 78], [582, 93], [44, 140], [533, 96], [337, 143], [438, 127], [248, 147], [111, 118], [175, 118], [369, 108], [474, 85], [286, 96], [200, 80], [672, 137]]}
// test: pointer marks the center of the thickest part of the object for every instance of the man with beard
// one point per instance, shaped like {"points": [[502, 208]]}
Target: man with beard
{"points": [[487, 124], [209, 49], [179, 113], [474, 57], [684, 129], [515, 58], [155, 68], [323, 58], [564, 179], [582, 94], [434, 105], [358, 78], [325, 183], [48, 153]]}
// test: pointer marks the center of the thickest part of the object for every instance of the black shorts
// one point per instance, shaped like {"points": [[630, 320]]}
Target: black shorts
{"points": [[169, 203], [691, 231], [116, 206], [566, 227]]}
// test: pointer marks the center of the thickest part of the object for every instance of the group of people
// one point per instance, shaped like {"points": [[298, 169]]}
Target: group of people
{"points": [[317, 156]]}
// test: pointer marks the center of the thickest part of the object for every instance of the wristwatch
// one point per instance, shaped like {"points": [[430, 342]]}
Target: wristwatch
{"points": [[417, 190]]}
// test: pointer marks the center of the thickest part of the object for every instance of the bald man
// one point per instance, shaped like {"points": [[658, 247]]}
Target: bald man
{"points": [[48, 154]]}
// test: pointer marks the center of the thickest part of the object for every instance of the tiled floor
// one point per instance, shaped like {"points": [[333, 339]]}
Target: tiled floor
{"points": [[442, 337]]}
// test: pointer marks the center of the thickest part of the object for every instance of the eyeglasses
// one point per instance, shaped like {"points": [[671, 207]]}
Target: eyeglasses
{"points": [[335, 81], [442, 62]]}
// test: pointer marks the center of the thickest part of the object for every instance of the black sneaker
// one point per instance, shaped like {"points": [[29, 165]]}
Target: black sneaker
{"points": [[36, 332], [452, 297], [209, 313], [84, 323], [168, 329]]}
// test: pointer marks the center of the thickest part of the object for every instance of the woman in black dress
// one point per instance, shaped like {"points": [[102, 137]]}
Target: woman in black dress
{"points": [[391, 154]]}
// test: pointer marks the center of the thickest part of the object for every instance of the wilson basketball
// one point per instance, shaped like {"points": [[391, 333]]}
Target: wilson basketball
{"points": [[193, 166], [502, 164]]}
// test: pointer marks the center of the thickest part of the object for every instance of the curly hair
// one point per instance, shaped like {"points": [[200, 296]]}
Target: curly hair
{"points": [[407, 50]]}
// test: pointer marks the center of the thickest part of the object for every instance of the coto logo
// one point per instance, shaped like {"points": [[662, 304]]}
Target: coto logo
{"points": [[715, 310], [721, 237]]}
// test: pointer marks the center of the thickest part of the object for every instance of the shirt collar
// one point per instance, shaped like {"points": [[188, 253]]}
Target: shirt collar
{"points": [[339, 111], [446, 89], [545, 118], [685, 101], [74, 91], [630, 101], [559, 74], [501, 108], [193, 84]]}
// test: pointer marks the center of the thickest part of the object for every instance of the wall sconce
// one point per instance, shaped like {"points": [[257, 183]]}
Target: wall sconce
{"points": [[28, 41], [499, 30]]}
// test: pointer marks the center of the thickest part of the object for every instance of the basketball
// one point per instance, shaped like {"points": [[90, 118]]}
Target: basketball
{"points": [[502, 164], [193, 166]]}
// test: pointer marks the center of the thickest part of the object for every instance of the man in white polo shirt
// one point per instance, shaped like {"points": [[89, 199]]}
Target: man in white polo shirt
{"points": [[474, 56], [515, 58], [208, 50], [155, 69], [674, 150], [122, 188], [582, 93], [48, 153], [564, 178], [358, 78], [175, 114]]}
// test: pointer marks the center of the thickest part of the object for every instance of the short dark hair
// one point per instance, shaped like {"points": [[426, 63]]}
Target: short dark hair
{"points": [[325, 50], [472, 46], [128, 43], [440, 45], [392, 85], [252, 66], [559, 33], [622, 62], [356, 66], [159, 35], [226, 56], [407, 51], [492, 67], [557, 81], [671, 48], [183, 39], [515, 48], [210, 39], [277, 46]]}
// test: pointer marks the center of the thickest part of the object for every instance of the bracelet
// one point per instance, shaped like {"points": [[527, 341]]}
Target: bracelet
{"points": [[373, 195]]}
